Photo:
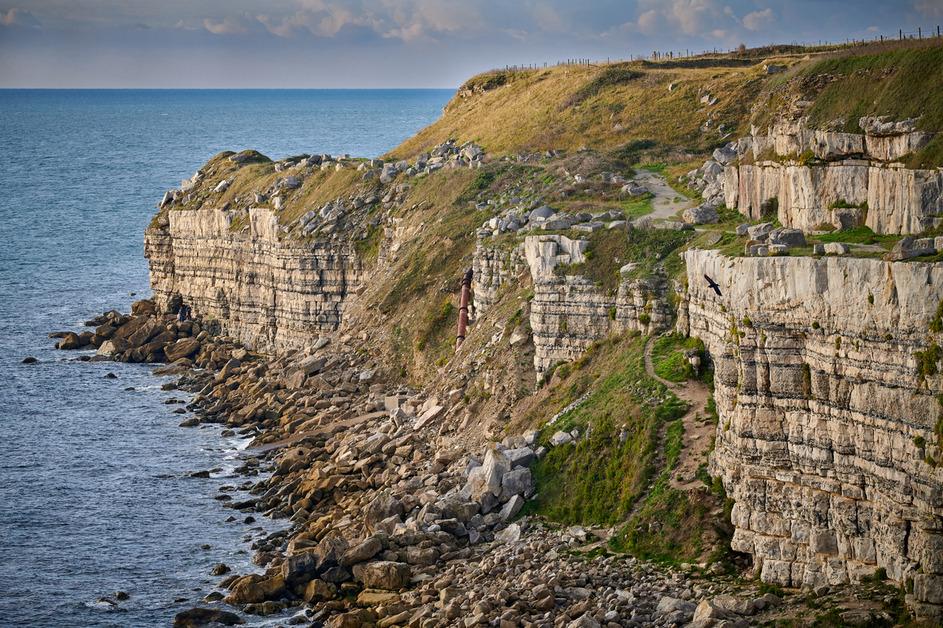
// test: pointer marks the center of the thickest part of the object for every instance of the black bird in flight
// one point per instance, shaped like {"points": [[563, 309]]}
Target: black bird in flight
{"points": [[713, 285]]}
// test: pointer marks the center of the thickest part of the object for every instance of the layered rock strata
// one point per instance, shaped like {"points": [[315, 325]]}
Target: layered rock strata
{"points": [[269, 292], [823, 177], [828, 439], [493, 267], [569, 312]]}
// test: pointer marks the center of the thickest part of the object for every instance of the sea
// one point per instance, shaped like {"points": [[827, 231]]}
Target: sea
{"points": [[96, 495]]}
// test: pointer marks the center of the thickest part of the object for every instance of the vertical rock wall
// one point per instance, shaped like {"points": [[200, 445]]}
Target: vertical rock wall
{"points": [[568, 312], [823, 177], [827, 437], [269, 293]]}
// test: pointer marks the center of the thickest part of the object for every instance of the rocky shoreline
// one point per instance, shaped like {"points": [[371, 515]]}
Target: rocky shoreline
{"points": [[394, 519]]}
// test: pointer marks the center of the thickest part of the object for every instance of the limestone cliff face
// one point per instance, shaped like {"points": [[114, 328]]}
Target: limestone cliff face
{"points": [[270, 292], [849, 178], [569, 312], [827, 439], [493, 268]]}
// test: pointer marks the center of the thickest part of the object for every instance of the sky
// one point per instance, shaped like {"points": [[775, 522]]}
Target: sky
{"points": [[394, 43]]}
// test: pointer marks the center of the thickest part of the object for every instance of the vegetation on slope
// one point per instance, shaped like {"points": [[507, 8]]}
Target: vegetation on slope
{"points": [[599, 478], [900, 80], [669, 357], [605, 107]]}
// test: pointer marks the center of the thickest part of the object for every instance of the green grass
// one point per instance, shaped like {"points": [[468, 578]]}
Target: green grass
{"points": [[611, 76], [639, 206], [439, 323], [368, 248], [658, 167], [903, 83], [598, 479], [669, 359], [669, 525], [610, 249], [858, 235]]}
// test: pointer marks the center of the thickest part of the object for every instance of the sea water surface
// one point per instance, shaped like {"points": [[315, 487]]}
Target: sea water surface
{"points": [[94, 489]]}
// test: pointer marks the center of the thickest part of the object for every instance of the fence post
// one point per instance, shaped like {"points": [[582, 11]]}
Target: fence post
{"points": [[900, 32], [919, 33]]}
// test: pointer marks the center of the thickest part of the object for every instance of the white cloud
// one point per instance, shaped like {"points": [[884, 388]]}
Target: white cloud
{"points": [[648, 22], [227, 26], [758, 20], [18, 17], [691, 18]]}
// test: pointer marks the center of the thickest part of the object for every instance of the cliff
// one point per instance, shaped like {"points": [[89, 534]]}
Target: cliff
{"points": [[270, 293], [829, 436], [817, 178], [824, 369]]}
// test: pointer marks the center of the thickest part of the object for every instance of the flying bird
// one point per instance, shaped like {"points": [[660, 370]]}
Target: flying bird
{"points": [[713, 285]]}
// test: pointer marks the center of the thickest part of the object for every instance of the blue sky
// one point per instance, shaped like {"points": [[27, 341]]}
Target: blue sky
{"points": [[393, 43]]}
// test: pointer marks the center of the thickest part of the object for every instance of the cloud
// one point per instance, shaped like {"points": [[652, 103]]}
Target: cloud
{"points": [[227, 26], [758, 20], [548, 19], [689, 18], [19, 17], [649, 21]]}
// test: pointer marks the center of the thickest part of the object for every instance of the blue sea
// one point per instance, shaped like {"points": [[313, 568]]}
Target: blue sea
{"points": [[95, 496]]}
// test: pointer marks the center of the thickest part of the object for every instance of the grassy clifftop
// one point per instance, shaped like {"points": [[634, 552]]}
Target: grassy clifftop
{"points": [[603, 107], [688, 105]]}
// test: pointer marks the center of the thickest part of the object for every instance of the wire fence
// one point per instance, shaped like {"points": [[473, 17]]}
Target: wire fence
{"points": [[920, 33]]}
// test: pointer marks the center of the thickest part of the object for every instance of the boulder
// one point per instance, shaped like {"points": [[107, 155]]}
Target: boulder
{"points": [[145, 332], [905, 249], [312, 365], [787, 237], [560, 438], [385, 575], [363, 551], [69, 341], [701, 215], [725, 155], [383, 506], [487, 477], [759, 232], [300, 567], [510, 534], [319, 590], [677, 610], [194, 617], [520, 457], [183, 348], [255, 588], [517, 482], [511, 508], [835, 248]]}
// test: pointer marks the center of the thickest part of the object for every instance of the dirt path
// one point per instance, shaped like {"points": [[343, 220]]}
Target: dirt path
{"points": [[665, 202], [698, 428]]}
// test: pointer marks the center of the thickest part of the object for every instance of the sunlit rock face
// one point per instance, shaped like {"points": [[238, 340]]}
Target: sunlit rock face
{"points": [[569, 312], [827, 439], [820, 178], [268, 291]]}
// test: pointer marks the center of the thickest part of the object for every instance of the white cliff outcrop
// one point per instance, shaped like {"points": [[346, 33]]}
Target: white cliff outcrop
{"points": [[271, 293], [811, 177], [568, 311], [827, 392]]}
